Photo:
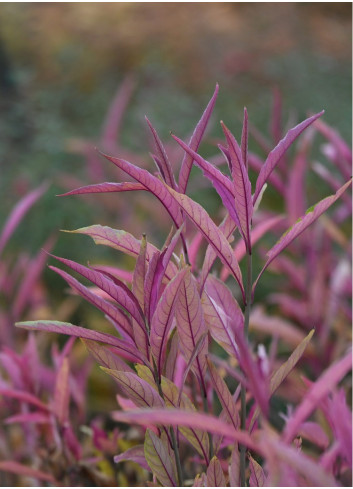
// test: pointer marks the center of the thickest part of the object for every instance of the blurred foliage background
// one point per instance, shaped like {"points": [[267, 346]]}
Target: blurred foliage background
{"points": [[60, 66]]}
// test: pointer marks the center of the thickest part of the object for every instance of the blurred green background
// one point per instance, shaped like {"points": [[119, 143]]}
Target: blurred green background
{"points": [[60, 66]]}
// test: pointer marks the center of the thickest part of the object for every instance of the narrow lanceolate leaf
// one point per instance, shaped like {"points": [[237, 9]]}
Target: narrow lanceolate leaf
{"points": [[191, 324], [149, 280], [195, 142], [227, 227], [18, 212], [224, 396], [26, 471], [122, 241], [62, 393], [215, 476], [159, 460], [152, 184], [162, 319], [162, 158], [211, 232], [134, 454], [221, 182], [244, 139], [138, 280], [276, 154], [257, 475], [318, 391], [106, 187], [312, 214], [25, 397], [179, 417], [242, 187], [222, 313], [125, 349], [137, 390], [285, 369], [113, 287], [105, 356], [234, 467], [101, 304]]}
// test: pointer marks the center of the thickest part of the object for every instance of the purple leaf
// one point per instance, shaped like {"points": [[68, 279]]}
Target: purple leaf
{"points": [[216, 239], [215, 476], [138, 280], [312, 214], [149, 280], [234, 468], [125, 349], [24, 397], [104, 306], [242, 187], [318, 391], [159, 460], [118, 273], [224, 396], [256, 233], [257, 476], [105, 187], [162, 319], [221, 182], [137, 390], [195, 142], [276, 154], [134, 454], [162, 158], [105, 356], [152, 184], [62, 393], [18, 212], [244, 139], [32, 417], [178, 417], [191, 325], [24, 470]]}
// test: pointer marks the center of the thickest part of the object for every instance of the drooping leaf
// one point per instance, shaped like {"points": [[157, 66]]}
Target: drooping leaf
{"points": [[242, 187], [312, 214], [18, 212], [125, 349], [257, 475], [215, 476], [194, 142], [113, 312], [152, 184], [162, 319], [105, 356], [319, 389], [276, 154], [216, 239], [224, 396], [191, 325], [158, 458], [178, 417], [136, 389], [106, 187], [134, 454], [26, 471], [162, 158], [62, 393]]}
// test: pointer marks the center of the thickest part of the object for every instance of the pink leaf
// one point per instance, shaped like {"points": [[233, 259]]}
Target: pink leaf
{"points": [[215, 476], [134, 454], [216, 239], [24, 397], [191, 324], [105, 187], [312, 214], [318, 391], [138, 280], [62, 393], [162, 319], [276, 154], [125, 349], [234, 467], [24, 470], [33, 417], [257, 476], [194, 143], [159, 459], [105, 356]]}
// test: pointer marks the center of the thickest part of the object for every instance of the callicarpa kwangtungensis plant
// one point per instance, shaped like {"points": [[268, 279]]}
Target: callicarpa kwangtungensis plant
{"points": [[170, 314]]}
